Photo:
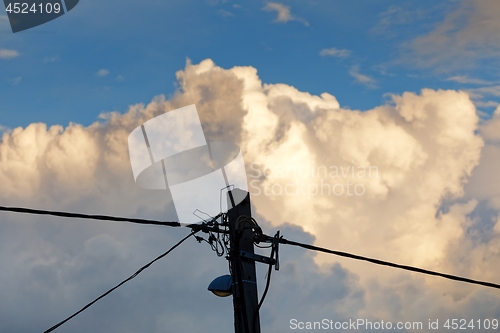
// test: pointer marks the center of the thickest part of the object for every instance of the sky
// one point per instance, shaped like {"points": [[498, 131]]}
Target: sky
{"points": [[367, 127]]}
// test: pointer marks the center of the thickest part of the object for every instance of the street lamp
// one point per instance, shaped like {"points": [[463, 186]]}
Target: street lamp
{"points": [[222, 286]]}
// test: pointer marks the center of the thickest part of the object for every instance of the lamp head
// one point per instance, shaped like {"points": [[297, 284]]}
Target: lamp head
{"points": [[222, 286]]}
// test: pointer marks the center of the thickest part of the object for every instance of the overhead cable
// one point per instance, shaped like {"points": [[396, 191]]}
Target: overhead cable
{"points": [[390, 264], [207, 228], [86, 216]]}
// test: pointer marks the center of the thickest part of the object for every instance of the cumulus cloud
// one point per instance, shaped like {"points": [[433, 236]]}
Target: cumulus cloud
{"points": [[8, 54], [334, 52], [407, 163], [467, 35], [406, 146], [480, 250], [284, 13]]}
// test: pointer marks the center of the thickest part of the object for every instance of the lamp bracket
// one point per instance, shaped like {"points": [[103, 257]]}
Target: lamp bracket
{"points": [[256, 257]]}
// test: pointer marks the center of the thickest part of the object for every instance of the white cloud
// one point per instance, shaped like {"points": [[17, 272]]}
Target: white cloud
{"points": [[284, 13], [102, 72], [8, 54], [362, 78], [423, 145], [334, 52]]}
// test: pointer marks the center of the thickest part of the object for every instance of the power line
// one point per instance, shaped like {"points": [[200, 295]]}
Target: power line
{"points": [[206, 228], [121, 283], [85, 216], [390, 264]]}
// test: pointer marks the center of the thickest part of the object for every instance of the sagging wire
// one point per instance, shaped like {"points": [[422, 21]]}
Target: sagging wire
{"points": [[219, 239], [215, 242]]}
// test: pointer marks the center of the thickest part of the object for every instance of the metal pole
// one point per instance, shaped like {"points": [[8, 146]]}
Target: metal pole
{"points": [[245, 302]]}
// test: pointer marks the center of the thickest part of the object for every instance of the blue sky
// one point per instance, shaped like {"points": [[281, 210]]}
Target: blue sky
{"points": [[54, 76]]}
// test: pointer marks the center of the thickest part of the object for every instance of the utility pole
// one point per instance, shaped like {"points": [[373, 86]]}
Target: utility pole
{"points": [[242, 261]]}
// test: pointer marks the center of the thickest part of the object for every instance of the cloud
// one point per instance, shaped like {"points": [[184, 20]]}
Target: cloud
{"points": [[334, 52], [396, 15], [468, 34], [466, 80], [362, 78], [284, 13], [422, 148], [491, 129], [486, 91], [8, 54], [102, 72], [481, 248], [480, 95]]}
